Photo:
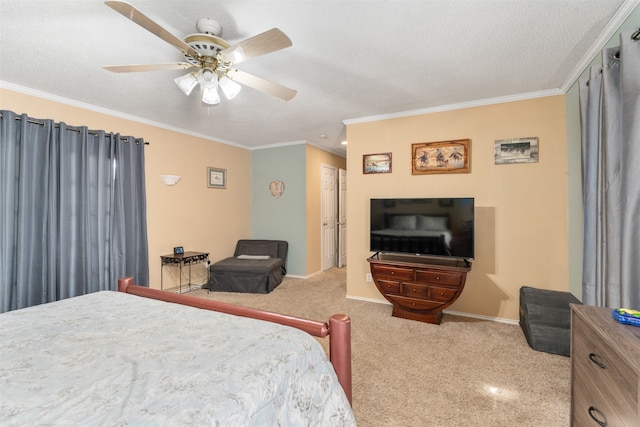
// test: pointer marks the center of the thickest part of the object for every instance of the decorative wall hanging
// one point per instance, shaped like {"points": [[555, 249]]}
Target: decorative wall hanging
{"points": [[441, 157], [276, 188], [376, 163], [519, 150], [217, 178]]}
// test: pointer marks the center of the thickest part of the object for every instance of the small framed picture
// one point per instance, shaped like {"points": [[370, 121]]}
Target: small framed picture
{"points": [[519, 150], [441, 157], [376, 163], [216, 178]]}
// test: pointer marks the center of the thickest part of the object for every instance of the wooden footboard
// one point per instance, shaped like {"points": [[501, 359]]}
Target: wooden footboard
{"points": [[338, 328]]}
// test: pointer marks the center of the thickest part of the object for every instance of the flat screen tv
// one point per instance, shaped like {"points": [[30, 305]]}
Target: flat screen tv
{"points": [[439, 227]]}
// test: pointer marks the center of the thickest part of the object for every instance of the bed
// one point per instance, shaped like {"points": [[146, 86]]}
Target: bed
{"points": [[257, 266], [135, 358]]}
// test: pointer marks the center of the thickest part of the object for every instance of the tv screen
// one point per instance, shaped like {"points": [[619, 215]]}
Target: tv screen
{"points": [[426, 226]]}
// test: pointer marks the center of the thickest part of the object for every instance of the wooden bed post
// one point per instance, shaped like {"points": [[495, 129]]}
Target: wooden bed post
{"points": [[340, 350], [124, 283]]}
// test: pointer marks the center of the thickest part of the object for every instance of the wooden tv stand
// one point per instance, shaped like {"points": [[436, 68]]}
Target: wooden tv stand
{"points": [[419, 287]]}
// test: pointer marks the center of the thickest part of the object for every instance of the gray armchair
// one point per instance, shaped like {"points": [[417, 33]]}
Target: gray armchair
{"points": [[257, 266]]}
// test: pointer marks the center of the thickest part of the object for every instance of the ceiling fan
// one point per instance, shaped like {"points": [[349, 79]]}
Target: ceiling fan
{"points": [[210, 60]]}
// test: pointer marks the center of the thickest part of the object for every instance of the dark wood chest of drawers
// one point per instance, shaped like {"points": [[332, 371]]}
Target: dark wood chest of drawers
{"points": [[605, 369], [419, 288]]}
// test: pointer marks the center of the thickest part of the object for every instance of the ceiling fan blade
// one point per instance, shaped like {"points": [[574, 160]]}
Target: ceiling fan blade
{"points": [[130, 12], [133, 68], [261, 84], [267, 42]]}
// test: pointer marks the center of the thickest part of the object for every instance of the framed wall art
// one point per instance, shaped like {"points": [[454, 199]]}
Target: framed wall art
{"points": [[519, 150], [216, 178], [376, 163], [441, 157]]}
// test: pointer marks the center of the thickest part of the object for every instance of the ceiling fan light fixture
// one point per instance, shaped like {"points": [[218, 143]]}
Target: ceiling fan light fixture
{"points": [[229, 87], [207, 78], [210, 96], [186, 83], [211, 55], [236, 55]]}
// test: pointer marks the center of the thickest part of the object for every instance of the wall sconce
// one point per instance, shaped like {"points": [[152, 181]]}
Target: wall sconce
{"points": [[170, 179]]}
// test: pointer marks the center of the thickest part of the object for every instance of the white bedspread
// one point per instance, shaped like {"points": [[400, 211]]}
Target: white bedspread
{"points": [[113, 359]]}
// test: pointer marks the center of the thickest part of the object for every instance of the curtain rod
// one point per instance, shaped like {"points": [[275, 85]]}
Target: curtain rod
{"points": [[73, 128]]}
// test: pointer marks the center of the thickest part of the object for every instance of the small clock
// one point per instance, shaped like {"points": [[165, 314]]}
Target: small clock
{"points": [[178, 250]]}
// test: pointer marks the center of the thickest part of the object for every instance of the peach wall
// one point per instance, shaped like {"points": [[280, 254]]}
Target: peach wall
{"points": [[188, 214], [315, 159], [521, 226]]}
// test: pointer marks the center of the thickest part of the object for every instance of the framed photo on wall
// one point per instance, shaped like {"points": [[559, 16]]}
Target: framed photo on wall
{"points": [[216, 178], [519, 150], [441, 157], [376, 163]]}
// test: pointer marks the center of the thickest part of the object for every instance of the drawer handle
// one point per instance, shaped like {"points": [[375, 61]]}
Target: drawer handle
{"points": [[595, 360], [393, 272], [597, 416], [437, 277]]}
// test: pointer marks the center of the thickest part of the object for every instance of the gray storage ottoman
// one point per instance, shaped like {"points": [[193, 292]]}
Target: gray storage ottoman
{"points": [[545, 319]]}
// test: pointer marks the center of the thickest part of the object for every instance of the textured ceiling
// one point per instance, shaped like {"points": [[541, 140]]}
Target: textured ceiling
{"points": [[349, 59]]}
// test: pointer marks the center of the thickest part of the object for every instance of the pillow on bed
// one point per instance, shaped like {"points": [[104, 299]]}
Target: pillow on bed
{"points": [[432, 223], [254, 257], [403, 222], [262, 248]]}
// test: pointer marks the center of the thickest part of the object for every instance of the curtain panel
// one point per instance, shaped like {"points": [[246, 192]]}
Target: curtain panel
{"points": [[73, 215], [610, 117]]}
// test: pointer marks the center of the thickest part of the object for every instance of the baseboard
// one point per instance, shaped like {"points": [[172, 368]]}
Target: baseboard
{"points": [[308, 276], [296, 276], [368, 300], [454, 313], [480, 316]]}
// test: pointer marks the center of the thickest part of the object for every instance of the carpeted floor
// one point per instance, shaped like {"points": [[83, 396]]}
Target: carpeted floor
{"points": [[405, 373]]}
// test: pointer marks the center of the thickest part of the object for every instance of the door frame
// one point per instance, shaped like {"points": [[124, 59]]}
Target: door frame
{"points": [[341, 249], [323, 243]]}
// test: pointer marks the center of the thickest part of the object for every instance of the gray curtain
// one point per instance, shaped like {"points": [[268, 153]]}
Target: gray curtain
{"points": [[610, 116], [73, 212]]}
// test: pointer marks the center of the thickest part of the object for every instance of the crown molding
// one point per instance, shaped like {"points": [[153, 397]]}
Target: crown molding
{"points": [[113, 113], [609, 31], [117, 114], [302, 142], [451, 107]]}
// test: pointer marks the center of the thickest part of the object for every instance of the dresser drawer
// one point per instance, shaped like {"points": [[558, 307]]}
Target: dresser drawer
{"points": [[614, 375], [389, 286], [589, 407], [604, 384], [598, 368], [429, 276], [414, 290], [589, 403], [413, 303], [441, 294], [387, 271]]}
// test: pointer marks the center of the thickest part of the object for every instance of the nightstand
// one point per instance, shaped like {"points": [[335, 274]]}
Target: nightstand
{"points": [[181, 260]]}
